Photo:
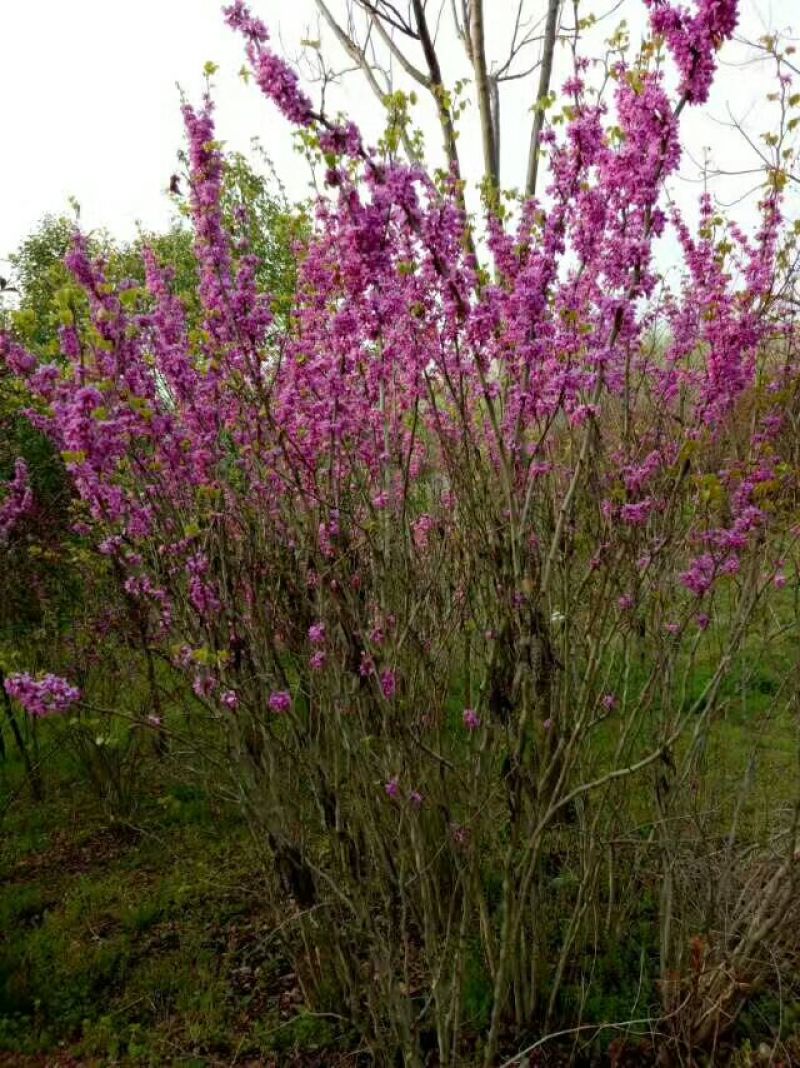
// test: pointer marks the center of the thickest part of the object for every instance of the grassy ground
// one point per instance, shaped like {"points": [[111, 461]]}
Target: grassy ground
{"points": [[146, 940], [140, 942]]}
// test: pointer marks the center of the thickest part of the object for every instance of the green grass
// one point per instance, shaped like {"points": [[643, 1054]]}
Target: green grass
{"points": [[143, 939], [140, 943]]}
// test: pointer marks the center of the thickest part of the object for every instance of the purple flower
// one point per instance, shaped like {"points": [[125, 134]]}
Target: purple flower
{"points": [[700, 576], [693, 39], [230, 699], [460, 834], [421, 530], [392, 788], [18, 501], [388, 684], [47, 696], [636, 515], [275, 78], [316, 633], [280, 701], [204, 684], [318, 660], [471, 719]]}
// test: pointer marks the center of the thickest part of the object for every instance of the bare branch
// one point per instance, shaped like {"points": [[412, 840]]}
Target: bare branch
{"points": [[519, 43], [378, 10], [359, 54], [410, 69]]}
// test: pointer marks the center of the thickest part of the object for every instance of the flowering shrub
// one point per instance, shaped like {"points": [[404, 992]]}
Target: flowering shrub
{"points": [[442, 555]]}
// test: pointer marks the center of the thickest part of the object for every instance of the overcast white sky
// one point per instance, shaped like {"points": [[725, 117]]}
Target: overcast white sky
{"points": [[89, 106]]}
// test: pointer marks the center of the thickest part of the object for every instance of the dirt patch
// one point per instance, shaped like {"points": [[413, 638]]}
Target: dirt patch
{"points": [[65, 856]]}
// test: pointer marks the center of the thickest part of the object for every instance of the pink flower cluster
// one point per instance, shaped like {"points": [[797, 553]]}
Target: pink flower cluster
{"points": [[18, 500], [280, 701], [693, 39], [49, 695], [276, 79], [471, 719]]}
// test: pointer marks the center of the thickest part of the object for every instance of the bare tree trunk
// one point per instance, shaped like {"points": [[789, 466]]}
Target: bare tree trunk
{"points": [[494, 89], [477, 54], [545, 74], [437, 87]]}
